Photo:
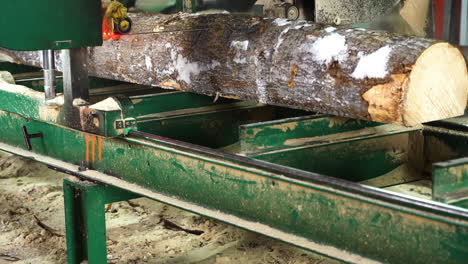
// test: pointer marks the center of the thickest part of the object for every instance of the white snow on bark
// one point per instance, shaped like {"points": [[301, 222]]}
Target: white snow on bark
{"points": [[330, 48], [241, 47], [280, 40], [261, 83], [330, 29], [373, 65], [302, 26], [183, 67], [186, 69], [281, 22], [214, 64], [149, 64]]}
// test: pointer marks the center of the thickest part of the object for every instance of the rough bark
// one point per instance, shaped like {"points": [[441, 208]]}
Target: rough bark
{"points": [[295, 64]]}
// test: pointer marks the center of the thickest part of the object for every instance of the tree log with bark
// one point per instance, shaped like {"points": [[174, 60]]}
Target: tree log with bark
{"points": [[355, 73]]}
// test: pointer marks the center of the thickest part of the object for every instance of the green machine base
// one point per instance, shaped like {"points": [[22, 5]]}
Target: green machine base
{"points": [[322, 183]]}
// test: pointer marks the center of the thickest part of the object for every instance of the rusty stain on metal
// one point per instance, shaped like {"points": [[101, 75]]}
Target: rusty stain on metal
{"points": [[93, 148], [87, 148], [99, 148]]}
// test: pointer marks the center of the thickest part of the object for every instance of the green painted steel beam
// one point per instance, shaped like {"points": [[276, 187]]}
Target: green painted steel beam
{"points": [[442, 144], [215, 126], [450, 182], [210, 125], [108, 122], [273, 135], [171, 101], [319, 213], [356, 155], [14, 68]]}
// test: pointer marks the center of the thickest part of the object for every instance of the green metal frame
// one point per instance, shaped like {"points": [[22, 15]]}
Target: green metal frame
{"points": [[329, 215], [50, 24], [163, 5], [345, 216]]}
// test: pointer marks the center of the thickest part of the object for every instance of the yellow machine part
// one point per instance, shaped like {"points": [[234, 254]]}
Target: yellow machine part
{"points": [[113, 13]]}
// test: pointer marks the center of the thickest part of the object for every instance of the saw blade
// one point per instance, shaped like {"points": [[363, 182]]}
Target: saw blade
{"points": [[167, 31]]}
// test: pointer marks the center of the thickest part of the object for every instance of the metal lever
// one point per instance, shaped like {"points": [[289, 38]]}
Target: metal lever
{"points": [[27, 137]]}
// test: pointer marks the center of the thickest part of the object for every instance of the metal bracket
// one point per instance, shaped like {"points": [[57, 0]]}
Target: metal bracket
{"points": [[127, 123], [27, 137]]}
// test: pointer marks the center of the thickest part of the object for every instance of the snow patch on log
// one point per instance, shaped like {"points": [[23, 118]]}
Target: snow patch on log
{"points": [[330, 29], [149, 64], [280, 40], [214, 64], [186, 69], [373, 65], [302, 26], [240, 46], [261, 83], [183, 66], [330, 48], [281, 22]]}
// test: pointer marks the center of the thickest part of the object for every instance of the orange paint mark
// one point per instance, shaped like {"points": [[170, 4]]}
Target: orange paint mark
{"points": [[99, 148], [87, 148], [94, 149]]}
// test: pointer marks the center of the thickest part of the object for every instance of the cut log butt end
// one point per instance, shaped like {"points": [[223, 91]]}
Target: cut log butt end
{"points": [[436, 88]]}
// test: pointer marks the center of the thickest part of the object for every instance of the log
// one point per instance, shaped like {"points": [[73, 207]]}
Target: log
{"points": [[356, 73]]}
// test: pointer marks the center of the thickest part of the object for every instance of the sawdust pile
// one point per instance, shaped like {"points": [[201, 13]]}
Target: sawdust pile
{"points": [[140, 231]]}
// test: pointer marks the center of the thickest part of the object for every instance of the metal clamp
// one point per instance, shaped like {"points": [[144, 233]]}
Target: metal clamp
{"points": [[27, 137]]}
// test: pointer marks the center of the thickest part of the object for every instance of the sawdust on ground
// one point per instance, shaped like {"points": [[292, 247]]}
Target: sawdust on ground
{"points": [[140, 231]]}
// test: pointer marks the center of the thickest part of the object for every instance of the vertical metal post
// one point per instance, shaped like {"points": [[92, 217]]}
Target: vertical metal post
{"points": [[95, 225], [190, 6], [85, 219], [48, 61], [75, 83], [449, 33], [76, 247], [464, 24], [75, 75]]}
